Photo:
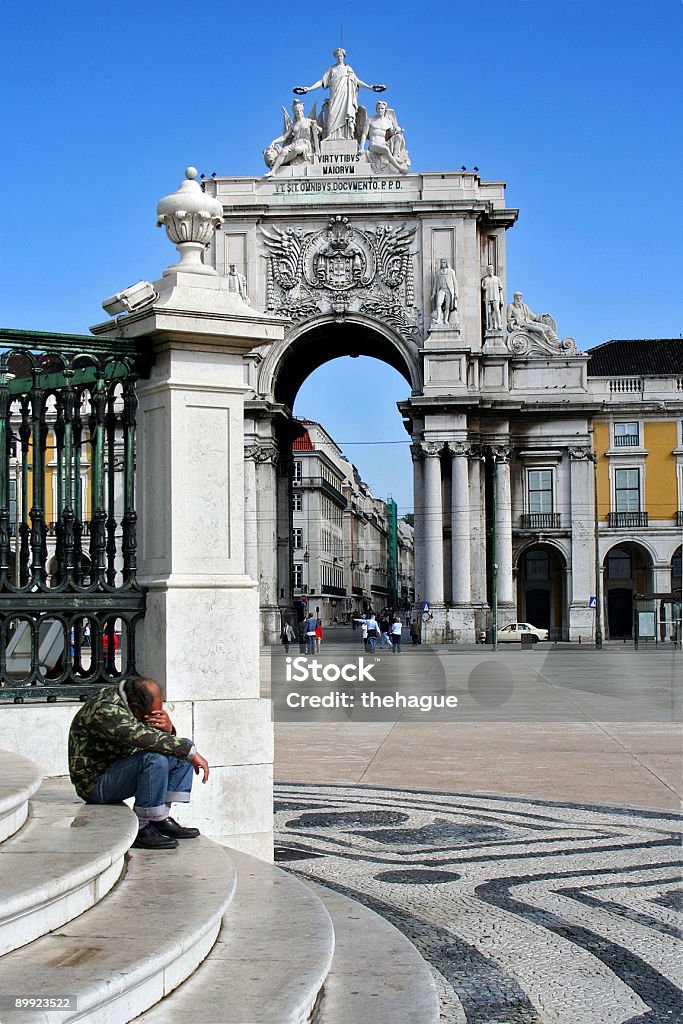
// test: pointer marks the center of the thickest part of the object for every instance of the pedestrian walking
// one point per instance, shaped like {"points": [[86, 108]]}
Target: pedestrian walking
{"points": [[384, 629], [370, 632], [415, 632], [318, 635], [309, 630], [287, 636], [302, 636], [396, 630]]}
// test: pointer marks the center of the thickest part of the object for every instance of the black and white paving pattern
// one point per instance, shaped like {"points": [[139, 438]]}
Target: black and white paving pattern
{"points": [[528, 911]]}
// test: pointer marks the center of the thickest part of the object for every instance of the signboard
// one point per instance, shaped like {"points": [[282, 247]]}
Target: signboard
{"points": [[646, 625], [592, 602], [425, 606]]}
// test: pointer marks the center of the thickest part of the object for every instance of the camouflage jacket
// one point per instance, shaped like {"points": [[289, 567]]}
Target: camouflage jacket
{"points": [[105, 730]]}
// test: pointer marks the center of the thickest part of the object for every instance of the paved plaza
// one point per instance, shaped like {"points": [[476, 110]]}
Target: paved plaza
{"points": [[530, 849]]}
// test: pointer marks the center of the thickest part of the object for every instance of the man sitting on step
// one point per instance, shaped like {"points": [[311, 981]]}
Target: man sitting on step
{"points": [[123, 744]]}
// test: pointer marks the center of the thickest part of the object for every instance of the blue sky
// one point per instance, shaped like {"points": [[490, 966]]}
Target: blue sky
{"points": [[575, 103]]}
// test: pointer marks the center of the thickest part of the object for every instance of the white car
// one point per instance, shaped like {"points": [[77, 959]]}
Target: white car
{"points": [[514, 631]]}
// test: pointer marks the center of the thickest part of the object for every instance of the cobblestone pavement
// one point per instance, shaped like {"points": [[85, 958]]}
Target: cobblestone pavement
{"points": [[528, 911]]}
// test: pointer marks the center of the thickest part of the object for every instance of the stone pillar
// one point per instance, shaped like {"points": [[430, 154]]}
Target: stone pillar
{"points": [[581, 614], [250, 514], [418, 508], [200, 634], [460, 523], [266, 486], [504, 527], [433, 524]]}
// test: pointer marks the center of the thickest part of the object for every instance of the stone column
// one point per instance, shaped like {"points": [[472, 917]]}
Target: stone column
{"points": [[460, 523], [266, 485], [504, 526], [418, 508], [433, 520], [581, 615]]}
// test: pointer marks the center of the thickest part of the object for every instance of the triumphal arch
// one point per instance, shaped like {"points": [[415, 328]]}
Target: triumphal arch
{"points": [[355, 251]]}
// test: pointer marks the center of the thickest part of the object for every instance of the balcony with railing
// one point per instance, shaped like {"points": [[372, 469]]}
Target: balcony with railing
{"points": [[541, 521], [630, 520], [625, 440]]}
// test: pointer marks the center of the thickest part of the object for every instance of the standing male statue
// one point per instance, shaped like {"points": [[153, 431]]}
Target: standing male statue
{"points": [[385, 140], [521, 318], [492, 290], [342, 105], [237, 283], [445, 295]]}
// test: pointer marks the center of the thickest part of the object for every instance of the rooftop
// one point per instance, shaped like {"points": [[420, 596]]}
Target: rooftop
{"points": [[639, 357]]}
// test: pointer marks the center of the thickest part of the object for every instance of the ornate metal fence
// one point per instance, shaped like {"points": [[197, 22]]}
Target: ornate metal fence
{"points": [[69, 595]]}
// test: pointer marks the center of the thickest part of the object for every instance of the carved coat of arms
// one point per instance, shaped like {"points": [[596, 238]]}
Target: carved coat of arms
{"points": [[340, 269]]}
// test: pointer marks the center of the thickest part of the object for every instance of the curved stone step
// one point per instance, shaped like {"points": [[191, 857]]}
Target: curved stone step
{"points": [[136, 945], [19, 779], [270, 961], [63, 861], [377, 974]]}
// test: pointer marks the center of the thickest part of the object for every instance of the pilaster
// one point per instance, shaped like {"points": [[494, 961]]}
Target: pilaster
{"points": [[503, 525], [581, 614]]}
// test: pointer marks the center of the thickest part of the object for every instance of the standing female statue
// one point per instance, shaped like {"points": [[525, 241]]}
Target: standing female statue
{"points": [[342, 105]]}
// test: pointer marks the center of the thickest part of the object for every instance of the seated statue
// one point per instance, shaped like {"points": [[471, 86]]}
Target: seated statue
{"points": [[298, 143], [386, 145], [521, 318]]}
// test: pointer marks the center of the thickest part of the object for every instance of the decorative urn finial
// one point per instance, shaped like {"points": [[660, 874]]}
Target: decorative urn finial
{"points": [[190, 218]]}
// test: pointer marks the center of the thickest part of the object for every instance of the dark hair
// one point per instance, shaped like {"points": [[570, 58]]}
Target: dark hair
{"points": [[139, 693]]}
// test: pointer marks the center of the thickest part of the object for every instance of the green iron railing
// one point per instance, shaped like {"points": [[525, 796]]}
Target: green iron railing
{"points": [[69, 596]]}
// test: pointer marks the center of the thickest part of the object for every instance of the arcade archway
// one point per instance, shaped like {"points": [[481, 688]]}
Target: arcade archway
{"points": [[542, 588], [308, 536], [627, 571]]}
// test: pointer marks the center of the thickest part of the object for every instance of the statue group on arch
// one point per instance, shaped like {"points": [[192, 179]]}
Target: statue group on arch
{"points": [[341, 119]]}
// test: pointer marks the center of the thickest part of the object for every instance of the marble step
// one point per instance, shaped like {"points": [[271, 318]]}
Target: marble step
{"points": [[136, 945], [377, 974], [19, 779], [271, 959], [67, 856]]}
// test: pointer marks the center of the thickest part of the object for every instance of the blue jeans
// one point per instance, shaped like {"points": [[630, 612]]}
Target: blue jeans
{"points": [[155, 780]]}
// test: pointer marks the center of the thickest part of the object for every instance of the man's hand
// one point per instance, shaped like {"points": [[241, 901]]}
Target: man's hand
{"points": [[200, 763], [159, 720]]}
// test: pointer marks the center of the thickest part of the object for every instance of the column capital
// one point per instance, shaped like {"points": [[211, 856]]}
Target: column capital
{"points": [[431, 449], [260, 453], [580, 453], [501, 452], [459, 448]]}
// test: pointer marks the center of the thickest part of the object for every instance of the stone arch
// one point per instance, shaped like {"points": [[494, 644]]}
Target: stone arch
{"points": [[289, 362], [542, 585], [270, 432], [624, 576]]}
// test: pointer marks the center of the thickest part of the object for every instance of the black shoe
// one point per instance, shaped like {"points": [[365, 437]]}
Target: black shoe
{"points": [[150, 839], [170, 827]]}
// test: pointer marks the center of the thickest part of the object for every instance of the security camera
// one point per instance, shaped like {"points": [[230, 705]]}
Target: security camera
{"points": [[130, 299]]}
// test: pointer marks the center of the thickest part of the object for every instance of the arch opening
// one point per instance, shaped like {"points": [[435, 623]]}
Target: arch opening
{"points": [[313, 346]]}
